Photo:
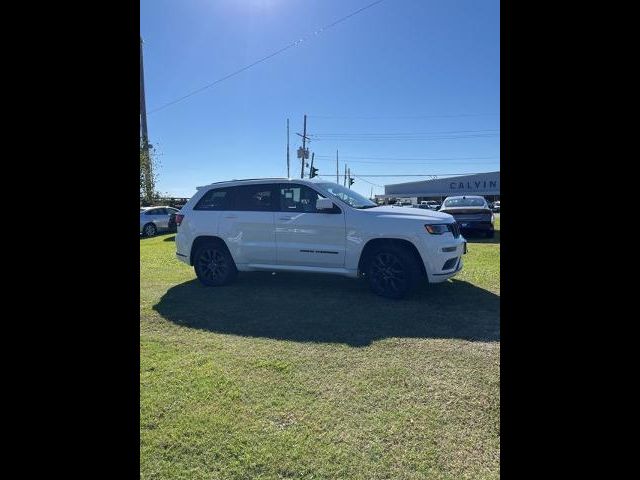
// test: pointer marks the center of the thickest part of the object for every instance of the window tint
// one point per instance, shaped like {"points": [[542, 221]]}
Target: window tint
{"points": [[464, 202], [349, 196], [155, 211], [219, 199], [298, 198], [253, 198]]}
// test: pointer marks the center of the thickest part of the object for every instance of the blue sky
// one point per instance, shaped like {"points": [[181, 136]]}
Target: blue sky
{"points": [[379, 87]]}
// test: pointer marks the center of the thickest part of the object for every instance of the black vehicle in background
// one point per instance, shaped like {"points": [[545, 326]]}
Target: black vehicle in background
{"points": [[472, 214], [173, 226]]}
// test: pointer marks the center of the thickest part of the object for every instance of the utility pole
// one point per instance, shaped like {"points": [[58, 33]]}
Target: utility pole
{"points": [[304, 144], [337, 172], [148, 185], [345, 176], [349, 182], [288, 176]]}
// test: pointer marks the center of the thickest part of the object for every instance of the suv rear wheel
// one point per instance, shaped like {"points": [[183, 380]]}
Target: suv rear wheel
{"points": [[392, 272], [213, 265]]}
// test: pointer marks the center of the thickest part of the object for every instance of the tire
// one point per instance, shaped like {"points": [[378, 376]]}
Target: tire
{"points": [[149, 230], [392, 272], [213, 265]]}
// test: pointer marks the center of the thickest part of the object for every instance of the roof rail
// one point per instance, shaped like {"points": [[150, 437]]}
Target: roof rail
{"points": [[243, 180]]}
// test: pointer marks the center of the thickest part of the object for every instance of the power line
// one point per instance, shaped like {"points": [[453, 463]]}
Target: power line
{"points": [[370, 157], [439, 175], [263, 59], [419, 175], [386, 162], [406, 116], [359, 177], [378, 139], [379, 134]]}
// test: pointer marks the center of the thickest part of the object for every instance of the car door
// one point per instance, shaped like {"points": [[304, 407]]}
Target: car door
{"points": [[248, 226], [163, 218], [306, 236], [155, 216]]}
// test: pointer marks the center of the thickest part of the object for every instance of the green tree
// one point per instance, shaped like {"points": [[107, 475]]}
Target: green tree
{"points": [[148, 175]]}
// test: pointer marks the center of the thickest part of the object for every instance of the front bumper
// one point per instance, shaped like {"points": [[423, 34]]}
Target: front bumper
{"points": [[183, 258], [442, 256]]}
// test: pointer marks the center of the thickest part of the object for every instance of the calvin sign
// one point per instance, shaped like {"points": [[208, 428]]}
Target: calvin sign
{"points": [[479, 185]]}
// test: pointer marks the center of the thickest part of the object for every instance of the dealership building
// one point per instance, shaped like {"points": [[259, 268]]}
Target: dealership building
{"points": [[484, 184]]}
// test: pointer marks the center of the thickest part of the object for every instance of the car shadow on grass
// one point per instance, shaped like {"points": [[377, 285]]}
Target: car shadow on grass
{"points": [[172, 238], [476, 238], [332, 309]]}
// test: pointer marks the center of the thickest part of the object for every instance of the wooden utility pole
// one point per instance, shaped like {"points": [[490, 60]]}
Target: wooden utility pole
{"points": [[288, 176], [144, 137], [345, 175], [349, 181]]}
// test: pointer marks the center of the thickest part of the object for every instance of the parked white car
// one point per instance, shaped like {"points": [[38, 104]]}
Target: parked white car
{"points": [[155, 219], [314, 226]]}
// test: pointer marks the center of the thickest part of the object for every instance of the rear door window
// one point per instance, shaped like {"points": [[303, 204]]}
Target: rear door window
{"points": [[253, 198], [217, 199]]}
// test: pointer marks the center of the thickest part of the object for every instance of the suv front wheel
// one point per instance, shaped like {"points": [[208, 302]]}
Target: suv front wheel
{"points": [[213, 265], [392, 272]]}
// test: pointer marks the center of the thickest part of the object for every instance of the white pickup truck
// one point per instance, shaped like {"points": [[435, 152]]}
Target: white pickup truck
{"points": [[281, 224]]}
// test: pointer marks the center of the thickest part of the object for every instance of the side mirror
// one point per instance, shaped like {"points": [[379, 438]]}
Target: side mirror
{"points": [[324, 204]]}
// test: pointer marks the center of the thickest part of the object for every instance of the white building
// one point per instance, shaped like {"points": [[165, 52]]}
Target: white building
{"points": [[485, 184]]}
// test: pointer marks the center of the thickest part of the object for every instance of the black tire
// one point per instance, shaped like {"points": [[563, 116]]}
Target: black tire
{"points": [[149, 230], [392, 272], [213, 265], [490, 234]]}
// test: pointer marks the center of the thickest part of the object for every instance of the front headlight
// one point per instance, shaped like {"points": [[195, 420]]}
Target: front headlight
{"points": [[437, 229]]}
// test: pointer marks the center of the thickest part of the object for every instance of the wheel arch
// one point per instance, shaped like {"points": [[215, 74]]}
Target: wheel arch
{"points": [[204, 239], [374, 244]]}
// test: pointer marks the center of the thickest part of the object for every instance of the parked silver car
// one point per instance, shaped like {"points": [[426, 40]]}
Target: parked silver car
{"points": [[155, 219]]}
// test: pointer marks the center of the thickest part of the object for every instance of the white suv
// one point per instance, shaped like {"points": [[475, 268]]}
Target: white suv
{"points": [[285, 224]]}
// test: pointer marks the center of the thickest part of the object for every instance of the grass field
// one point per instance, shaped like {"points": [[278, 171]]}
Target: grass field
{"points": [[312, 376]]}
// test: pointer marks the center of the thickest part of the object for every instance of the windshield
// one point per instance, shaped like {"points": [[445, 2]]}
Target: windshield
{"points": [[464, 202], [348, 196]]}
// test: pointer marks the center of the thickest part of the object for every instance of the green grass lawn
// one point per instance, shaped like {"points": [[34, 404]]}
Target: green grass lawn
{"points": [[312, 376]]}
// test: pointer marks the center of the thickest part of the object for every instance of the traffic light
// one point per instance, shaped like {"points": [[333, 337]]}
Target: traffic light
{"points": [[313, 173], [351, 182]]}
